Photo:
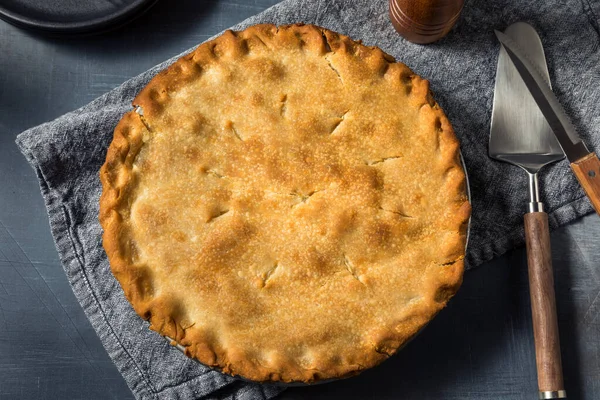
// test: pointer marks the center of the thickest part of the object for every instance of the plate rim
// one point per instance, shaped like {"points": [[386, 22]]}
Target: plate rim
{"points": [[123, 14]]}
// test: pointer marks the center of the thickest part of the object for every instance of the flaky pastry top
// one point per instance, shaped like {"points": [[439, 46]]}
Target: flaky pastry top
{"points": [[286, 203]]}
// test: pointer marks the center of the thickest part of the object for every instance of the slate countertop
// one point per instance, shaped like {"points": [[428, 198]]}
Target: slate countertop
{"points": [[480, 347]]}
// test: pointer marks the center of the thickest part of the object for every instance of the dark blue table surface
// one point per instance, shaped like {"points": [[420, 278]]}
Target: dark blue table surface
{"points": [[480, 347]]}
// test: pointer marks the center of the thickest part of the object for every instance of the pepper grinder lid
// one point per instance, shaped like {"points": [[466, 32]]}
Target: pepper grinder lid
{"points": [[424, 21]]}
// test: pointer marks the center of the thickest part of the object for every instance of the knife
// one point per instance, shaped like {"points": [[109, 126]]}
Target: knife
{"points": [[584, 163]]}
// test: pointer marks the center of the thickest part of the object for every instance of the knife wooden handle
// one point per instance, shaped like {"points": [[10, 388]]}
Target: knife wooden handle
{"points": [[587, 171], [543, 303]]}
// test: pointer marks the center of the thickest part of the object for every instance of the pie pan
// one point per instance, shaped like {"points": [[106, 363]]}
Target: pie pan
{"points": [[297, 384]]}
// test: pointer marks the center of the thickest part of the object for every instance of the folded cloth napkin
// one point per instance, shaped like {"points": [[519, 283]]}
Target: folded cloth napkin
{"points": [[68, 152]]}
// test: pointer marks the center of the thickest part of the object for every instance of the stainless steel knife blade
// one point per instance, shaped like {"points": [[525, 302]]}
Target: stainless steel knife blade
{"points": [[585, 164], [549, 105]]}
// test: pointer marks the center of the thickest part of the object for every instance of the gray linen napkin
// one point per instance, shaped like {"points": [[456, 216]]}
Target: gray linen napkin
{"points": [[67, 153]]}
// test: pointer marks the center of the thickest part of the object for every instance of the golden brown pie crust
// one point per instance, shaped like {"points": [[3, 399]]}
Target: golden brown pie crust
{"points": [[288, 204]]}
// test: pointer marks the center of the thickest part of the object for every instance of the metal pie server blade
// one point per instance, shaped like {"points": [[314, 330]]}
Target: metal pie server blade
{"points": [[519, 133]]}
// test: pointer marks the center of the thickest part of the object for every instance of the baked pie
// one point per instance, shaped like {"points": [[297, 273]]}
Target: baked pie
{"points": [[286, 203]]}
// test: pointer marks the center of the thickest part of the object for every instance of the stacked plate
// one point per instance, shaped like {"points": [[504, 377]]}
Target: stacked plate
{"points": [[72, 16]]}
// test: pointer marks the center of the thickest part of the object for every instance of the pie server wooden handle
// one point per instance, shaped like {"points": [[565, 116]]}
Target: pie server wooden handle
{"points": [[587, 171], [543, 307]]}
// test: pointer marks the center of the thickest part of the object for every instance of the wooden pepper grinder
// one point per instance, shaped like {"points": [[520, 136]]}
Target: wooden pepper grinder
{"points": [[424, 21]]}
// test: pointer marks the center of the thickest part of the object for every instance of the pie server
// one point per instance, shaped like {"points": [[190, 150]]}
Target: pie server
{"points": [[521, 136], [585, 164]]}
